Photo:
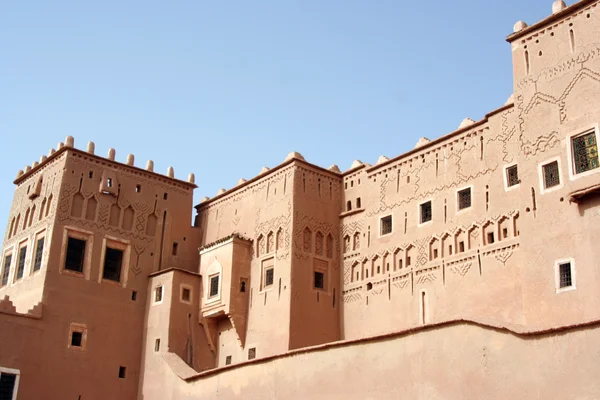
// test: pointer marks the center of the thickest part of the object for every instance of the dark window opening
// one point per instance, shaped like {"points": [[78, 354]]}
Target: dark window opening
{"points": [[157, 345], [504, 233], [186, 294], [252, 353], [165, 196], [138, 188], [214, 286], [7, 385], [386, 225], [585, 152], [369, 286], [109, 182], [490, 237], [122, 372], [21, 264], [269, 276], [134, 295], [158, 294], [348, 205], [228, 360], [551, 175], [76, 339], [450, 250], [435, 253], [464, 199], [565, 275], [39, 252], [512, 176], [75, 254], [358, 203], [6, 271], [113, 260], [243, 286], [426, 212], [319, 280], [91, 174], [175, 248], [461, 247], [408, 261]]}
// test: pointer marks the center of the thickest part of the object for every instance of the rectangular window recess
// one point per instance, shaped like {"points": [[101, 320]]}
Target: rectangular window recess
{"points": [[39, 252], [512, 176], [252, 353], [157, 345], [426, 214], [113, 260], [269, 276], [214, 286], [464, 199], [175, 248], [186, 294], [386, 225], [122, 372], [21, 263], [75, 254], [76, 339], [158, 294], [319, 280], [228, 360], [6, 269]]}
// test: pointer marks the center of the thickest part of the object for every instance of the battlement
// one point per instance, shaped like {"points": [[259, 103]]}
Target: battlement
{"points": [[69, 145]]}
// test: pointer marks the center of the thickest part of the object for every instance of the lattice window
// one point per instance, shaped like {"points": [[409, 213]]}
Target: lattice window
{"points": [[319, 243], [565, 278], [75, 254], [426, 214], [252, 353], [551, 175], [512, 176], [214, 286], [386, 225], [113, 261], [585, 152], [269, 276], [307, 240], [21, 264], [228, 360], [329, 247], [6, 270], [464, 199], [39, 253]]}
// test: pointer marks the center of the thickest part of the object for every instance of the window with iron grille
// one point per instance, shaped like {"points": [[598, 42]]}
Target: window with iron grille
{"points": [[551, 175], [158, 294], [464, 198], [585, 152], [113, 260], [6, 270], [21, 264], [425, 212], [75, 254], [386, 225], [214, 286], [269, 276], [512, 176], [565, 278], [39, 252], [252, 353], [319, 280]]}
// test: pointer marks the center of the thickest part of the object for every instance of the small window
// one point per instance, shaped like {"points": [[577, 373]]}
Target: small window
{"points": [[243, 283], [435, 253], [75, 254], [21, 263], [585, 152], [504, 233], [565, 277], [157, 345], [348, 205], [490, 238], [319, 280], [369, 286], [91, 174], [76, 339], [175, 248], [461, 247], [252, 353], [512, 176], [109, 182], [386, 225], [39, 252], [133, 295], [464, 199], [214, 286], [228, 360], [122, 372], [158, 294], [6, 270], [269, 276], [358, 203], [408, 261], [186, 294], [165, 196], [425, 209], [551, 175], [138, 188], [8, 385], [113, 260]]}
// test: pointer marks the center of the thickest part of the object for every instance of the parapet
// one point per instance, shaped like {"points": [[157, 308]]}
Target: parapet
{"points": [[7, 307]]}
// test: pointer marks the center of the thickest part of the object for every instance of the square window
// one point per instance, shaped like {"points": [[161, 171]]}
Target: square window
{"points": [[319, 280], [158, 294], [252, 353], [214, 286], [565, 277], [186, 294], [113, 260], [512, 176], [76, 339], [6, 270], [122, 372], [426, 215], [551, 175], [39, 253], [228, 360], [21, 263], [386, 225], [585, 152], [75, 254], [464, 199]]}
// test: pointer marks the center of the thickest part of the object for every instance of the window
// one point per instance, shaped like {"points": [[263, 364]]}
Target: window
{"points": [[464, 198], [157, 345], [319, 280], [165, 196], [133, 295], [385, 225], [490, 238], [113, 260], [122, 372], [75, 254], [77, 336], [138, 188], [348, 205], [158, 294], [425, 214], [512, 176], [76, 339], [39, 252], [186, 294], [6, 270], [504, 233], [358, 203], [461, 247], [214, 286], [252, 353], [268, 273], [228, 360], [408, 261], [551, 175], [21, 263], [9, 383], [243, 283], [109, 182], [585, 152], [175, 248], [269, 276], [564, 275]]}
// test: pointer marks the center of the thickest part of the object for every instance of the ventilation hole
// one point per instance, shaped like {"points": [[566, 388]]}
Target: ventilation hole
{"points": [[562, 199], [537, 41], [552, 34], [527, 209], [571, 24], [588, 15]]}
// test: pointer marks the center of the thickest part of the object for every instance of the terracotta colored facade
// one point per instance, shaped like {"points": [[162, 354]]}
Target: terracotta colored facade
{"points": [[436, 274]]}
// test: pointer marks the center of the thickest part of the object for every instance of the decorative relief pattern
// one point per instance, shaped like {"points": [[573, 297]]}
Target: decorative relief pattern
{"points": [[461, 269]]}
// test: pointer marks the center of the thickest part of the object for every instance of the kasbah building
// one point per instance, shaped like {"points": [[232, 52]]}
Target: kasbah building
{"points": [[466, 268]]}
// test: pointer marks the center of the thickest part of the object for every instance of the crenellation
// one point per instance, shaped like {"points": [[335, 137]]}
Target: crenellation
{"points": [[111, 154], [131, 160]]}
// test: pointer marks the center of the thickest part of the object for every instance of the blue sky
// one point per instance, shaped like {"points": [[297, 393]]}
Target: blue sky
{"points": [[223, 88]]}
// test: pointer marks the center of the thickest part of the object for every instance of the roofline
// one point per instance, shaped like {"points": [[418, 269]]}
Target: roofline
{"points": [[64, 149], [353, 170], [172, 269], [549, 20], [263, 175], [441, 138]]}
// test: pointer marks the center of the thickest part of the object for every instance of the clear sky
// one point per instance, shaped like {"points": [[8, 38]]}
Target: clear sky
{"points": [[223, 88]]}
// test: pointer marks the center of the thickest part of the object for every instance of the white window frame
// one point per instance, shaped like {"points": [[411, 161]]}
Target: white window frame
{"points": [[263, 274], [572, 175], [217, 296], [17, 378], [380, 220], [541, 165], [506, 167], [458, 209], [557, 264], [162, 297], [419, 223]]}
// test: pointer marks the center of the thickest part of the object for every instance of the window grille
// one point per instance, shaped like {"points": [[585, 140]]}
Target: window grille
{"points": [[464, 198], [252, 353], [512, 176], [565, 275], [386, 225], [75, 255], [551, 175], [39, 252], [158, 294], [113, 260], [228, 360], [426, 212], [214, 286], [319, 280], [269, 276], [585, 152], [21, 265], [6, 271]]}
